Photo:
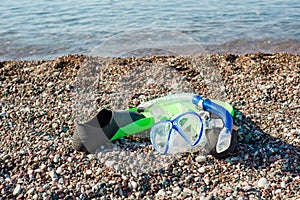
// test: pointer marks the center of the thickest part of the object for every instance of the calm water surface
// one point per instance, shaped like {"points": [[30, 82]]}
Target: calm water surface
{"points": [[45, 29]]}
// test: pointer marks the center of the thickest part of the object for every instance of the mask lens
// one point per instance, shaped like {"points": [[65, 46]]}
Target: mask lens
{"points": [[190, 125], [159, 135]]}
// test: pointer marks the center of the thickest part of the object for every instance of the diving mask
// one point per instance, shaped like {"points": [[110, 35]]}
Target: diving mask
{"points": [[178, 134], [187, 131]]}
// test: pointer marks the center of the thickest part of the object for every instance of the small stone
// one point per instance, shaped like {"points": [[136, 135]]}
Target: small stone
{"points": [[150, 81], [137, 194], [43, 166], [91, 156], [110, 163], [35, 196], [181, 163], [201, 170], [17, 190], [272, 151], [236, 176], [278, 191], [247, 187], [164, 182], [89, 172], [134, 174], [99, 170], [229, 190], [200, 159], [235, 159], [64, 128], [78, 185], [176, 190], [45, 187], [30, 171], [206, 181], [54, 196], [53, 175], [55, 159], [22, 151], [161, 193], [2, 114], [103, 198], [61, 181], [121, 192], [272, 159], [187, 191], [39, 189], [50, 84], [69, 159], [31, 190], [133, 184], [59, 170], [117, 167], [282, 184], [262, 182], [54, 125]]}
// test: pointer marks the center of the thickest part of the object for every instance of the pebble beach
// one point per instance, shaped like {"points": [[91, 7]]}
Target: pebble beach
{"points": [[37, 160]]}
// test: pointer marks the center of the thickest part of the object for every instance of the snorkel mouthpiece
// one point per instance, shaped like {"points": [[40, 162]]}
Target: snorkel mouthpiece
{"points": [[224, 140]]}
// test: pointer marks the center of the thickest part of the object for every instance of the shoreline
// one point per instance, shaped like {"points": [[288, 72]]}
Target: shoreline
{"points": [[37, 159], [239, 46]]}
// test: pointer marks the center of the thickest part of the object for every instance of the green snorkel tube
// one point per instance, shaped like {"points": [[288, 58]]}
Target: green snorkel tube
{"points": [[109, 125]]}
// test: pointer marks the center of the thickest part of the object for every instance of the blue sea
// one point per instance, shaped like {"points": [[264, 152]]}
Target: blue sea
{"points": [[44, 29]]}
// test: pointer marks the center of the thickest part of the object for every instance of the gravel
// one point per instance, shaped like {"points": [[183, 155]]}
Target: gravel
{"points": [[37, 160]]}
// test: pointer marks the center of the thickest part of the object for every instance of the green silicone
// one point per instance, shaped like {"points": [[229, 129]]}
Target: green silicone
{"points": [[134, 127], [147, 122]]}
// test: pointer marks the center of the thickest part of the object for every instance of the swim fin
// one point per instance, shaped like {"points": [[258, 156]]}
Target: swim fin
{"points": [[106, 126]]}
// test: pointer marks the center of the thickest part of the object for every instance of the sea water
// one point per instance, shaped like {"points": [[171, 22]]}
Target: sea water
{"points": [[45, 29]]}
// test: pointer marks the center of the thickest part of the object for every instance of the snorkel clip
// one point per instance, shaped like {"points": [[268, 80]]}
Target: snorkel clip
{"points": [[198, 100]]}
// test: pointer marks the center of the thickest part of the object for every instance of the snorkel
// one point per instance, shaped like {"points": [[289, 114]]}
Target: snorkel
{"points": [[224, 138]]}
